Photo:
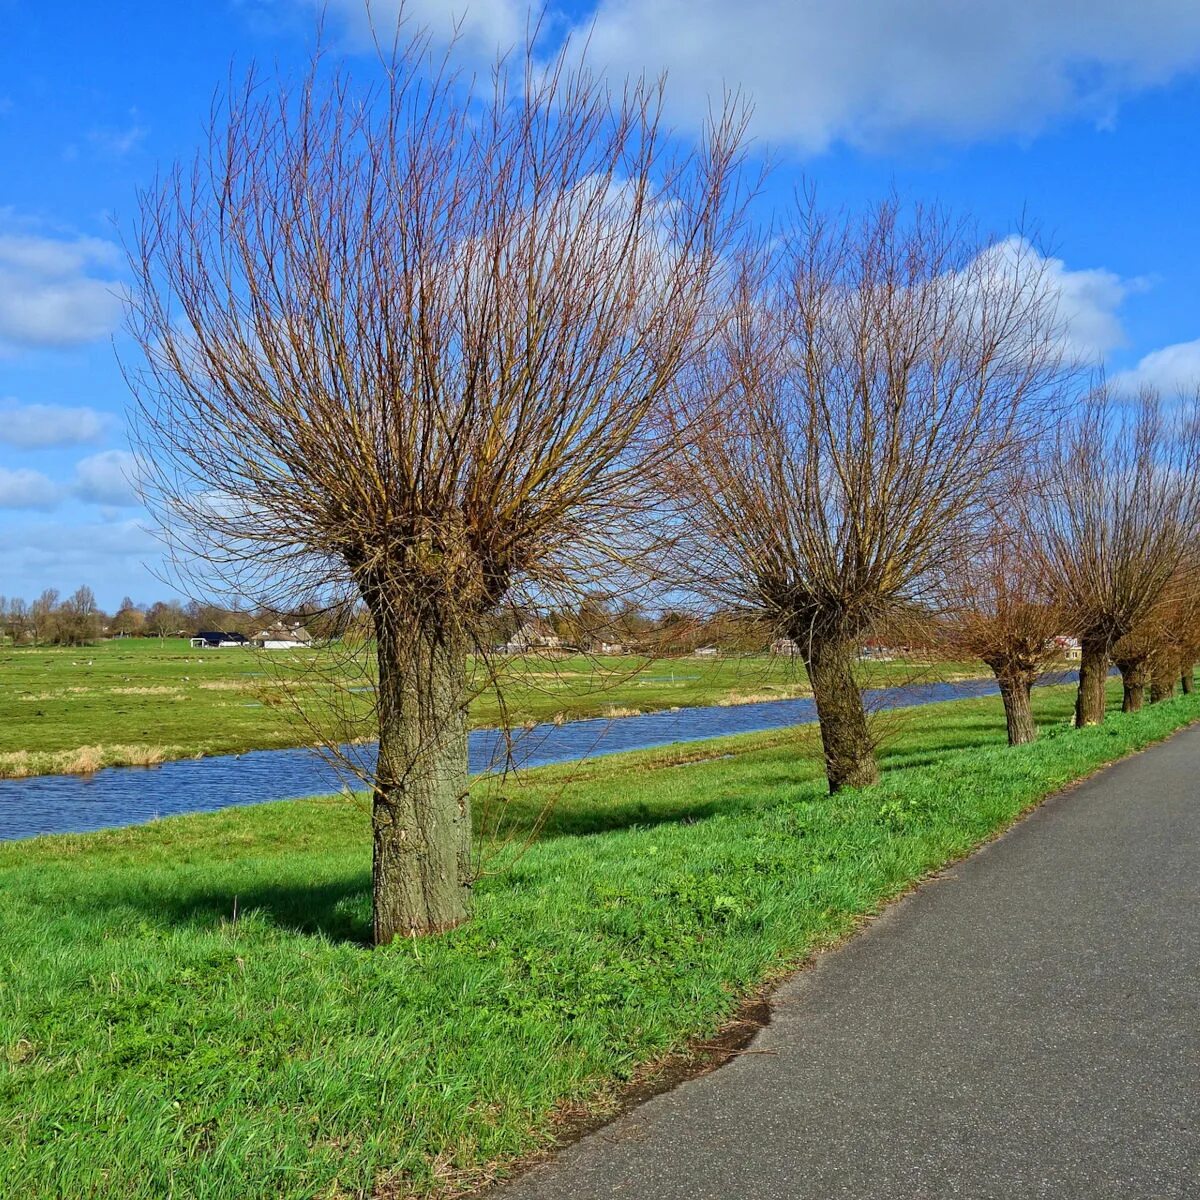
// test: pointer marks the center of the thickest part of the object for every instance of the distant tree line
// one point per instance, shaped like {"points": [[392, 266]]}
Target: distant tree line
{"points": [[51, 620], [596, 624], [77, 620]]}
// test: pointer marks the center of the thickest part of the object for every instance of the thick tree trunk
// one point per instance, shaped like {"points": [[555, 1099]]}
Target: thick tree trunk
{"points": [[1015, 688], [849, 748], [421, 817], [1187, 676], [1093, 672], [1162, 685], [1134, 677]]}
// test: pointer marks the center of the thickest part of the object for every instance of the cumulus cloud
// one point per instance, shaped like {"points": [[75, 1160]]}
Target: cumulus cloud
{"points": [[868, 73], [1172, 369], [482, 26], [1086, 301], [39, 426], [56, 291], [822, 71], [1089, 301], [22, 488], [107, 478]]}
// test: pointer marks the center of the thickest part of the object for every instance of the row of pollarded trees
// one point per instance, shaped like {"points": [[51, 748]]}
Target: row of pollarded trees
{"points": [[438, 349], [1099, 537]]}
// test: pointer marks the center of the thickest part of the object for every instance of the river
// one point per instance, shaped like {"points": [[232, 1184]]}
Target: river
{"points": [[130, 795]]}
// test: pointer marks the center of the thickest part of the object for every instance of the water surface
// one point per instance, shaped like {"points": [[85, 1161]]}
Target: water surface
{"points": [[129, 795]]}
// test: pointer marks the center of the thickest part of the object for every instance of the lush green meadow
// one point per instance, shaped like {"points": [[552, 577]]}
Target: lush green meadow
{"points": [[140, 701], [152, 1045]]}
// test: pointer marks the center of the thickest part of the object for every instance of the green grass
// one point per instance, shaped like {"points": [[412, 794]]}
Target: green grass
{"points": [[139, 701], [151, 1047]]}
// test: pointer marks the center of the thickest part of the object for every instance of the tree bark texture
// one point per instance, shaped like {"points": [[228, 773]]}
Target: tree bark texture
{"points": [[1015, 688], [1135, 674], [421, 816], [1162, 683], [1093, 673], [1187, 676], [845, 736]]}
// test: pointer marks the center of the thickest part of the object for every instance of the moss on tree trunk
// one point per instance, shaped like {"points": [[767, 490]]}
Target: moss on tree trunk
{"points": [[421, 817], [845, 736]]}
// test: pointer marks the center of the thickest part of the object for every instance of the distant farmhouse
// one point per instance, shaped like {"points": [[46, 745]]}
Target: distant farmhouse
{"points": [[283, 637], [215, 639], [602, 647], [533, 635], [1069, 647], [786, 646]]}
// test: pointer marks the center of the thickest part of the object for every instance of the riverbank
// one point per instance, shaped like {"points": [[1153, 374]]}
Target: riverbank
{"points": [[48, 804], [187, 1008], [139, 702]]}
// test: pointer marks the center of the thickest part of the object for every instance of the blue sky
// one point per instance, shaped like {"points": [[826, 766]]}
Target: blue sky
{"points": [[1081, 117]]}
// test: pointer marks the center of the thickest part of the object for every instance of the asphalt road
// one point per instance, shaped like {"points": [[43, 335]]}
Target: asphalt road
{"points": [[1027, 1025]]}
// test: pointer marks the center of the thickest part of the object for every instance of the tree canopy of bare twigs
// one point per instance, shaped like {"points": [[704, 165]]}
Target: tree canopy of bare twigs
{"points": [[876, 382], [999, 609], [400, 341], [1115, 519]]}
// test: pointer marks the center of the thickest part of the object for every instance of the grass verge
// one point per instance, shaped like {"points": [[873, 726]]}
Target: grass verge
{"points": [[153, 1045]]}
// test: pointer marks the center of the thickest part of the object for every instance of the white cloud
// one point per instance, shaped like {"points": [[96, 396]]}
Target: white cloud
{"points": [[22, 488], [1086, 301], [107, 478], [482, 26], [1172, 369], [1089, 301], [52, 539], [56, 291], [822, 71], [38, 426]]}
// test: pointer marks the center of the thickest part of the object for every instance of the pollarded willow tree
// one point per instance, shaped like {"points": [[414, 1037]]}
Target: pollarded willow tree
{"points": [[1133, 654], [1151, 655], [999, 609], [400, 340], [1173, 646], [877, 382], [1182, 620], [1115, 519]]}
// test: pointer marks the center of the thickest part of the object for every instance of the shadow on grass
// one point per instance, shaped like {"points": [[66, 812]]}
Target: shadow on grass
{"points": [[752, 785], [520, 818], [337, 907]]}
